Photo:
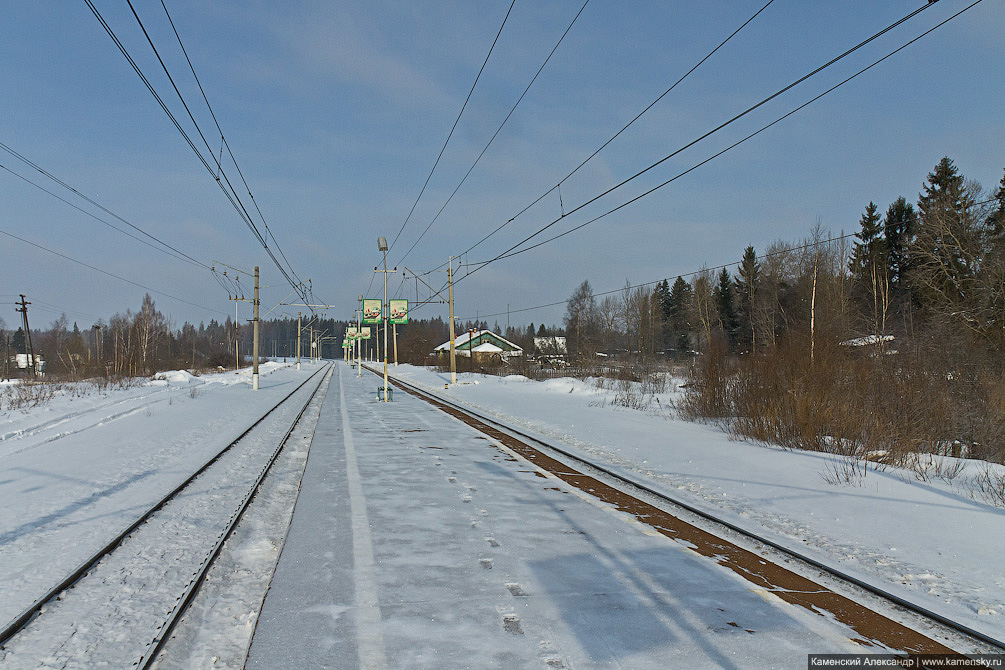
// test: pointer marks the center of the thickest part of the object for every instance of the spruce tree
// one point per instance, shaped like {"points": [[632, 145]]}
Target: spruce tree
{"points": [[942, 267], [870, 250], [723, 299], [747, 284], [900, 225], [996, 221], [662, 296], [870, 271], [681, 299]]}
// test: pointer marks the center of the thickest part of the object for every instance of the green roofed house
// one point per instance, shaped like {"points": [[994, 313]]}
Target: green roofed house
{"points": [[483, 346]]}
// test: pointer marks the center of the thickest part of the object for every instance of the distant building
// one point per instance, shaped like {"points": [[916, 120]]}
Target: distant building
{"points": [[550, 346], [21, 362], [481, 345]]}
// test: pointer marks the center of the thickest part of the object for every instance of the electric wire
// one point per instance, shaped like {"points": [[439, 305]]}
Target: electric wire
{"points": [[509, 252], [454, 127], [246, 216], [780, 252], [693, 273], [498, 130], [223, 139], [662, 95], [481, 264], [221, 178], [164, 248], [107, 273]]}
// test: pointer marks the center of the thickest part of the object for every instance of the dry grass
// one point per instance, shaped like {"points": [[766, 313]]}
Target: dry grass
{"points": [[947, 400]]}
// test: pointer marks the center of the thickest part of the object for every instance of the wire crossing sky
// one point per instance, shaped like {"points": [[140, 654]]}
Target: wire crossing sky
{"points": [[337, 110]]}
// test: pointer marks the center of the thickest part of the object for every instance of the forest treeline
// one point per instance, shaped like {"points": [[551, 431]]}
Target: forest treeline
{"points": [[143, 342], [880, 345]]}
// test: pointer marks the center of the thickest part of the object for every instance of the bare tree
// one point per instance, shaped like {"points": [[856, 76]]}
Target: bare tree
{"points": [[581, 321], [703, 304]]}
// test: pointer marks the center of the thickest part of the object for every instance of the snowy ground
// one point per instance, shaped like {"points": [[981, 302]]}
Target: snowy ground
{"points": [[71, 471], [76, 471], [928, 542], [418, 542]]}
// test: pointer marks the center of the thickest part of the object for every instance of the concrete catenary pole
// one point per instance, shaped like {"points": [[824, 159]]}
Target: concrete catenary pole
{"points": [[453, 359], [254, 354]]}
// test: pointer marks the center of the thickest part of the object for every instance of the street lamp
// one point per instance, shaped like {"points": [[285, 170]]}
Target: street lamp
{"points": [[382, 247]]}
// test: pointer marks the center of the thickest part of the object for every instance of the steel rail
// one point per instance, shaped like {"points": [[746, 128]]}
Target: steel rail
{"points": [[707, 516], [150, 656], [21, 620]]}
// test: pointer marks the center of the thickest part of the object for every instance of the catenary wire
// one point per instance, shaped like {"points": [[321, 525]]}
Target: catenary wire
{"points": [[223, 183], [662, 95], [246, 216], [167, 248], [498, 130], [508, 252], [107, 273], [223, 139], [830, 240], [454, 127]]}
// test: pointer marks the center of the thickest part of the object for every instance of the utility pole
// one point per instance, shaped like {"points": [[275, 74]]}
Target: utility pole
{"points": [[359, 339], [27, 335], [299, 316], [237, 337], [237, 331], [254, 355], [453, 359], [382, 246]]}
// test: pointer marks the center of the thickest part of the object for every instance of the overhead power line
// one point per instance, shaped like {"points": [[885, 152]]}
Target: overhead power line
{"points": [[224, 141], [513, 250], [454, 127], [498, 130], [164, 246], [106, 272], [638, 116], [219, 174]]}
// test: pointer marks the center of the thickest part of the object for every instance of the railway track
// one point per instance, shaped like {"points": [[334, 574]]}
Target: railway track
{"points": [[119, 606], [881, 620]]}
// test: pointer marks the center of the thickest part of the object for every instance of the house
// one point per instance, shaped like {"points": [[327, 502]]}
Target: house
{"points": [[550, 346], [481, 345]]}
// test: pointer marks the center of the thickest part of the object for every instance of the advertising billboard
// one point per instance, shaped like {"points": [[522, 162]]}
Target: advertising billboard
{"points": [[372, 310], [397, 310]]}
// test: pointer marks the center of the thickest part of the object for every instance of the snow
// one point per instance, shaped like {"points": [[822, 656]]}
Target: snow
{"points": [[539, 573], [926, 541]]}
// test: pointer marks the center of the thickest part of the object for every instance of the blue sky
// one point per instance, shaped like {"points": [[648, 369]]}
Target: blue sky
{"points": [[336, 112]]}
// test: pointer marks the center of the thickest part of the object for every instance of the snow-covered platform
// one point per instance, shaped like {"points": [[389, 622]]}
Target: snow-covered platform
{"points": [[419, 543]]}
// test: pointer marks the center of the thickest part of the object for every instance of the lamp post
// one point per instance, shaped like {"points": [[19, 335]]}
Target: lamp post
{"points": [[382, 247]]}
